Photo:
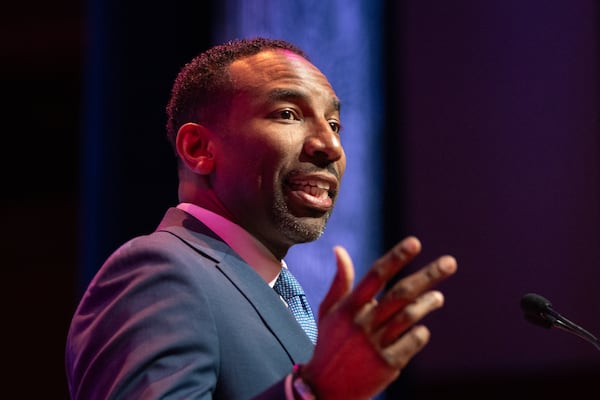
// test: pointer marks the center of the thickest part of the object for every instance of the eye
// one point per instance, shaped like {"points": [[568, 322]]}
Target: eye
{"points": [[287, 114], [335, 126]]}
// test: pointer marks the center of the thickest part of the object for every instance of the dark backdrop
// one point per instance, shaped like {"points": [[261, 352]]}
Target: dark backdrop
{"points": [[498, 152], [492, 154]]}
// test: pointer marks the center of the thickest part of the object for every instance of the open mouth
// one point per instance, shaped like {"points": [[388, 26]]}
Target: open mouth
{"points": [[312, 192]]}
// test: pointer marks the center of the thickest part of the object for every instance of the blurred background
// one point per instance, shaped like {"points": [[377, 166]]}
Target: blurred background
{"points": [[472, 125]]}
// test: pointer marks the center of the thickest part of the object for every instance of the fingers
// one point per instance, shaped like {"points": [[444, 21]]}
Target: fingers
{"points": [[406, 347], [342, 281], [383, 270], [390, 321], [411, 314], [406, 290]]}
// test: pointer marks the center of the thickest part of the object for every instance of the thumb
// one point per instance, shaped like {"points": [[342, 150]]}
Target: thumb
{"points": [[342, 281]]}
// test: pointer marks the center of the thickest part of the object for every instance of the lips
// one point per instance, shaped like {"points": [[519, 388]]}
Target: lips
{"points": [[314, 192]]}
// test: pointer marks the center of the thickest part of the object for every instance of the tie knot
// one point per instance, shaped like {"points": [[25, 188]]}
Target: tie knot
{"points": [[287, 286]]}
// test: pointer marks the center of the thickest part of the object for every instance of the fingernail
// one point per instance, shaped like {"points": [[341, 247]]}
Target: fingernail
{"points": [[448, 264], [411, 244]]}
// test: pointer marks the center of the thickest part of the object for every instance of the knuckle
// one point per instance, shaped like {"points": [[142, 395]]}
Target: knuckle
{"points": [[420, 336], [404, 291], [412, 313]]}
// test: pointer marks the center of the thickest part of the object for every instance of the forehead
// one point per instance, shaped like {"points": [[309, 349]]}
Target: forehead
{"points": [[275, 69]]}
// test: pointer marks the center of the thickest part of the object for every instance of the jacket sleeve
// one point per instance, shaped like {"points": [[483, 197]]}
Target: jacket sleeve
{"points": [[143, 330]]}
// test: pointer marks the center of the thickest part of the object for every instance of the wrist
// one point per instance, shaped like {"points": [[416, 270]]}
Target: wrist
{"points": [[301, 389]]}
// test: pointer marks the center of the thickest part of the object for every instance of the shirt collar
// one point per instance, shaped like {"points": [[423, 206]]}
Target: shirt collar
{"points": [[243, 243]]}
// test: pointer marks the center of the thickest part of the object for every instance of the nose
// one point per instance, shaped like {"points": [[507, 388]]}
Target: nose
{"points": [[323, 144]]}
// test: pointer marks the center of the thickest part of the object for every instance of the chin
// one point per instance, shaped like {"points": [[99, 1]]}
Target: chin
{"points": [[305, 229]]}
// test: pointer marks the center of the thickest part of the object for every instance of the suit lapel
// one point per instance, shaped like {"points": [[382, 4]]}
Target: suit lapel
{"points": [[263, 298], [269, 306]]}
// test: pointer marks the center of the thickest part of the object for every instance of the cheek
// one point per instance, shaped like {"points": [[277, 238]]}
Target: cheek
{"points": [[278, 149], [264, 149], [342, 165]]}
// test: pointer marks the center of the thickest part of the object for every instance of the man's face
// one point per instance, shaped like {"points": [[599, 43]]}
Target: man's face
{"points": [[280, 160]]}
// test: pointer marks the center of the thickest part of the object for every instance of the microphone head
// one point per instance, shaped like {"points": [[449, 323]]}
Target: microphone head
{"points": [[532, 303], [536, 308]]}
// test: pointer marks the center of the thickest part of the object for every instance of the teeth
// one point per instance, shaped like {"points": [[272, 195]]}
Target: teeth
{"points": [[319, 184], [314, 191], [314, 187]]}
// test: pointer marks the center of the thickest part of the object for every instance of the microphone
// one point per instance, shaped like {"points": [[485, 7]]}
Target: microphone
{"points": [[539, 311]]}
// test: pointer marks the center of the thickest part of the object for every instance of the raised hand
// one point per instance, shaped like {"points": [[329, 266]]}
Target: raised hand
{"points": [[364, 340]]}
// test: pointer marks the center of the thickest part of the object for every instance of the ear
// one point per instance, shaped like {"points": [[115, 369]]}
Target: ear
{"points": [[194, 145]]}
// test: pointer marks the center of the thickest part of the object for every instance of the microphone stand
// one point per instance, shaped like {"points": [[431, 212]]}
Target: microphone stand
{"points": [[564, 324], [539, 311]]}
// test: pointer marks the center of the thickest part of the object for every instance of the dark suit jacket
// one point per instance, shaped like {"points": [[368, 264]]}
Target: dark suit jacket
{"points": [[177, 314]]}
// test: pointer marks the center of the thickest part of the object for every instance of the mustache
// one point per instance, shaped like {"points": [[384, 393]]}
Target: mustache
{"points": [[333, 171], [330, 168]]}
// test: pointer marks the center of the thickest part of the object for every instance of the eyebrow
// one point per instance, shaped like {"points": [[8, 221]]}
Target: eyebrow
{"points": [[292, 94]]}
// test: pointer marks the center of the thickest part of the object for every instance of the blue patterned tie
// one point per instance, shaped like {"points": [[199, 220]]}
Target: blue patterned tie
{"points": [[290, 290]]}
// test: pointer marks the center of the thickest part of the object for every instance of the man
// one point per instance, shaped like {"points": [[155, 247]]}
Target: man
{"points": [[190, 311]]}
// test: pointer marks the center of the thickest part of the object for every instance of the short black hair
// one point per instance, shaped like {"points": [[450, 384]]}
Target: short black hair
{"points": [[203, 86]]}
